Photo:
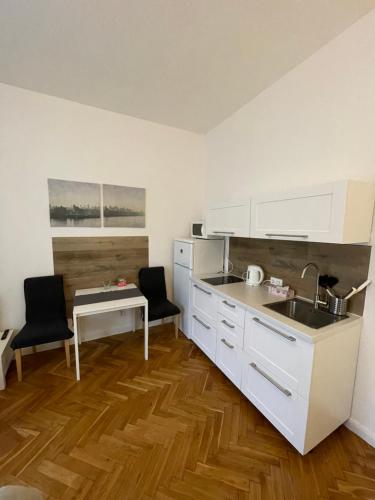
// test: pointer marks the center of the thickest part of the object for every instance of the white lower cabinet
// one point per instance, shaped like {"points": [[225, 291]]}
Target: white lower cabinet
{"points": [[229, 357], [273, 392], [282, 348], [303, 388], [204, 301], [203, 333], [231, 311], [232, 331]]}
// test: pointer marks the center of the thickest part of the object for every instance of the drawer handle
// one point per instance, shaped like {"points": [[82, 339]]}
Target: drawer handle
{"points": [[304, 236], [229, 304], [227, 344], [203, 290], [274, 330], [201, 322], [223, 232], [225, 322], [270, 379]]}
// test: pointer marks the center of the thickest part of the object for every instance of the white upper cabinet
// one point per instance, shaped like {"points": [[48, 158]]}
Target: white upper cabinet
{"points": [[338, 212], [229, 219]]}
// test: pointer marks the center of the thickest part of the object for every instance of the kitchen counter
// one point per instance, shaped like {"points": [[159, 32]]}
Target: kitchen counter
{"points": [[254, 298], [300, 378]]}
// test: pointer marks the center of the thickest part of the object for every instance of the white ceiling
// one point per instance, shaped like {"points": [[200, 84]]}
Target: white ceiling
{"points": [[184, 63]]}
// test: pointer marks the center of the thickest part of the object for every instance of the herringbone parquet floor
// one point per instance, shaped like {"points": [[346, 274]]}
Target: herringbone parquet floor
{"points": [[169, 428]]}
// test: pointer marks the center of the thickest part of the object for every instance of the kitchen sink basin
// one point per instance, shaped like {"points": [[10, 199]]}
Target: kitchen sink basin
{"points": [[304, 312]]}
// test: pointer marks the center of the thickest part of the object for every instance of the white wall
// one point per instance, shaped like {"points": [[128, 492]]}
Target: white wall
{"points": [[41, 137], [315, 124]]}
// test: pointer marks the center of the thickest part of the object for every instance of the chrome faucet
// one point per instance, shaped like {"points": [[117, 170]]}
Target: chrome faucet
{"points": [[317, 300]]}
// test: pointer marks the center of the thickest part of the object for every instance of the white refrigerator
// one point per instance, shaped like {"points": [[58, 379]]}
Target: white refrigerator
{"points": [[193, 256]]}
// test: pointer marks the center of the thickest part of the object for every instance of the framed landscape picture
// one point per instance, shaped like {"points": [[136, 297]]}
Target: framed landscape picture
{"points": [[124, 206], [74, 204]]}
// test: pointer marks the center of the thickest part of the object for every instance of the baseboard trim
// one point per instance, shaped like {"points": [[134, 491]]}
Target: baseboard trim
{"points": [[361, 431], [93, 335]]}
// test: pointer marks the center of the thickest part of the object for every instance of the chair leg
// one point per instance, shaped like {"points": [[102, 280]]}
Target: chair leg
{"points": [[176, 321], [67, 352], [18, 353]]}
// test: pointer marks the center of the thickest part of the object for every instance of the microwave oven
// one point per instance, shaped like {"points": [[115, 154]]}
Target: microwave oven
{"points": [[199, 230]]}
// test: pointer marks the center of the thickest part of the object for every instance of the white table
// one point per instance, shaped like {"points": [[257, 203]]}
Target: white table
{"points": [[108, 306]]}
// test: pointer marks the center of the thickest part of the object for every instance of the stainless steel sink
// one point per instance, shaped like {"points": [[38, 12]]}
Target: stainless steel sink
{"points": [[304, 312]]}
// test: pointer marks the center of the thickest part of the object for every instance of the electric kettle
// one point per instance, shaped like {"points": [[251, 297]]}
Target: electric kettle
{"points": [[254, 275]]}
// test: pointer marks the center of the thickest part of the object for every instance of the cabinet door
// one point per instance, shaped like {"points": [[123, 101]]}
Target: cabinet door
{"points": [[229, 219], [229, 357], [181, 295], [203, 334], [280, 346], [268, 388], [183, 254], [309, 214]]}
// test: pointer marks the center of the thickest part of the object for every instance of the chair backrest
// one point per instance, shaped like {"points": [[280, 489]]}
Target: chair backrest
{"points": [[44, 297], [152, 283]]}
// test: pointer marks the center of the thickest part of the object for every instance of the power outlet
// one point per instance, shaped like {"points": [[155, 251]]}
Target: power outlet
{"points": [[276, 281]]}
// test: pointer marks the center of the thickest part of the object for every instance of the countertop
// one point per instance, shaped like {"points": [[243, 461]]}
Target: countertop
{"points": [[254, 298]]}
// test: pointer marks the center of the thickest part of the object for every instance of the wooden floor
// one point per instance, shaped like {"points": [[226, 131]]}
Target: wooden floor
{"points": [[169, 428]]}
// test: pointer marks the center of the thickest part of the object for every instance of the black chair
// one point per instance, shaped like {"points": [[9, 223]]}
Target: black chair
{"points": [[45, 317], [152, 285]]}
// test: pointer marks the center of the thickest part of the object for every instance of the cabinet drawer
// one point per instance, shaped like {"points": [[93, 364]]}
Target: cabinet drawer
{"points": [[281, 347], [230, 330], [270, 391], [203, 334], [204, 301], [231, 311], [229, 357]]}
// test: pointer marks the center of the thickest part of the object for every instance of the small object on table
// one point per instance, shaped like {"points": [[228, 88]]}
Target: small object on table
{"points": [[121, 282], [5, 334], [326, 281], [107, 285], [337, 305], [330, 292], [281, 291], [354, 290]]}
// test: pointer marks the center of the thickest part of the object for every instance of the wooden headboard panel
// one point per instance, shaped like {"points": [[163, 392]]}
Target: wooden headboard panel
{"points": [[86, 262]]}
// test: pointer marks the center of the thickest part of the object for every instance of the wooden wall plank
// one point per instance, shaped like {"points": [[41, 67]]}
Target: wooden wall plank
{"points": [[286, 259], [87, 262]]}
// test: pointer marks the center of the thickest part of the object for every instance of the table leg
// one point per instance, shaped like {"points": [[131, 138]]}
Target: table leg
{"points": [[146, 331], [134, 318], [79, 331], [75, 329]]}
